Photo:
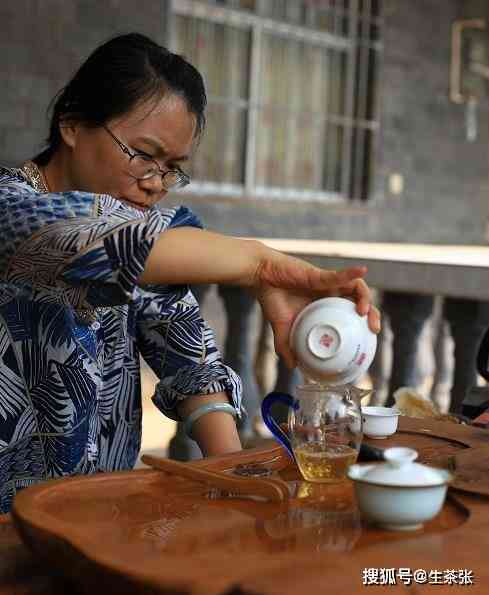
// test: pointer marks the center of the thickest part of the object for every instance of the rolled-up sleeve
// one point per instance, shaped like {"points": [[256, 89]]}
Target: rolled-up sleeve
{"points": [[76, 248], [181, 349]]}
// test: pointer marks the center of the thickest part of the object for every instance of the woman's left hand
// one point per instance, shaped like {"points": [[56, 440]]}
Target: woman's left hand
{"points": [[285, 285]]}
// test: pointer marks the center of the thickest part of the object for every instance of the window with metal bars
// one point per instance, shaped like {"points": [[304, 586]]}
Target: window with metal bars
{"points": [[292, 95]]}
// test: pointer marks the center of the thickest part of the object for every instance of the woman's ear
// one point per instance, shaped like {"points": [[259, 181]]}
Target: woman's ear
{"points": [[69, 132]]}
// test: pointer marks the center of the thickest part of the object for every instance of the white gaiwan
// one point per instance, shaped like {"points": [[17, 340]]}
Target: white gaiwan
{"points": [[332, 342], [399, 494]]}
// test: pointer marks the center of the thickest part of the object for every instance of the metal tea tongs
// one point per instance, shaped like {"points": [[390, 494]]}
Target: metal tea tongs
{"points": [[267, 488]]}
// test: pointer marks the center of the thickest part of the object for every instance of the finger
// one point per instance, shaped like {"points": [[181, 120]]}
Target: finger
{"points": [[374, 320], [360, 293], [281, 332], [363, 296], [289, 359], [335, 279]]}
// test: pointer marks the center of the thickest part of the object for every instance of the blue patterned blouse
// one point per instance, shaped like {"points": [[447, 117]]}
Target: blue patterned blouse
{"points": [[73, 323]]}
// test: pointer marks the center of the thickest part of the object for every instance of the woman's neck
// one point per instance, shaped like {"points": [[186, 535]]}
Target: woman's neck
{"points": [[57, 173]]}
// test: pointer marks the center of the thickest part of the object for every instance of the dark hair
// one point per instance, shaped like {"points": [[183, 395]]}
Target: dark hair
{"points": [[119, 74]]}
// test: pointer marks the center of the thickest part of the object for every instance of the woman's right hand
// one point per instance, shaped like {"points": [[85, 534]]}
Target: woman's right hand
{"points": [[285, 285]]}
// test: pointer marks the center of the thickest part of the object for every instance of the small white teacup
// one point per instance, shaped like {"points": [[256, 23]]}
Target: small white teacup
{"points": [[380, 422]]}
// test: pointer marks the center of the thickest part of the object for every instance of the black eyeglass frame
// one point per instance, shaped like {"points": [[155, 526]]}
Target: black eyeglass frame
{"points": [[182, 178]]}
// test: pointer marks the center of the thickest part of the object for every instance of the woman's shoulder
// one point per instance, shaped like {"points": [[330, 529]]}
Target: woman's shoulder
{"points": [[22, 189], [12, 176], [21, 182], [24, 181]]}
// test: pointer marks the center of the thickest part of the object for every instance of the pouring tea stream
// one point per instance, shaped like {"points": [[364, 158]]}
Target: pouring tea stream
{"points": [[334, 347]]}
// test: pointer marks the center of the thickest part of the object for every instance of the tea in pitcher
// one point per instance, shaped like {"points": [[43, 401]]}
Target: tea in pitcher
{"points": [[324, 429], [319, 462]]}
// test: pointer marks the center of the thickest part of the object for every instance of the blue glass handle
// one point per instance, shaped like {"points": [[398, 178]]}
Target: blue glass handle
{"points": [[271, 424]]}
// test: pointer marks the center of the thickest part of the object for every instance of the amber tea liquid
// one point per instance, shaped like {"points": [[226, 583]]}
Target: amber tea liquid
{"points": [[321, 463]]}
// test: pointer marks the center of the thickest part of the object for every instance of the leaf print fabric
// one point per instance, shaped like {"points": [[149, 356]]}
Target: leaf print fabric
{"points": [[70, 391]]}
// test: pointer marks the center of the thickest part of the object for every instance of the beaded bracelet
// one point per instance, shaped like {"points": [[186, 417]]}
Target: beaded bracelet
{"points": [[203, 410]]}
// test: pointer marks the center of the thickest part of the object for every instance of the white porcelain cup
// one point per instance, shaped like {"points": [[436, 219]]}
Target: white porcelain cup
{"points": [[380, 422], [332, 342]]}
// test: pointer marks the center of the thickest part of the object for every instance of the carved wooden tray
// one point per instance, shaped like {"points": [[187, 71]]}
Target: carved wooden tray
{"points": [[471, 470], [145, 532]]}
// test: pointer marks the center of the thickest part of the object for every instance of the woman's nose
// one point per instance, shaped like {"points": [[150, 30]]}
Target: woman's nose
{"points": [[152, 185]]}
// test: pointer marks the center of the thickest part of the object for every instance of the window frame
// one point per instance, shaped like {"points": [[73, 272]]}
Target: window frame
{"points": [[259, 25]]}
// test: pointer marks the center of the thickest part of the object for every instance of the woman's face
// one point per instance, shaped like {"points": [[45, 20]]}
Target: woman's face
{"points": [[163, 131]]}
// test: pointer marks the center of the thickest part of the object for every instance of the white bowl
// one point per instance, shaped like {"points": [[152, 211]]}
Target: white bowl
{"points": [[332, 342], [380, 422], [399, 494]]}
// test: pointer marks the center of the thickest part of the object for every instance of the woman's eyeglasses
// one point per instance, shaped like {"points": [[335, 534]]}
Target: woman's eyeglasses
{"points": [[143, 167]]}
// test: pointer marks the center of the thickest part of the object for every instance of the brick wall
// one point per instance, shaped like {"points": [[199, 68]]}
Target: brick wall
{"points": [[445, 196], [42, 42]]}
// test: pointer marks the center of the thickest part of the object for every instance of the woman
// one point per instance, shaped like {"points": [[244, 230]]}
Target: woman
{"points": [[93, 276]]}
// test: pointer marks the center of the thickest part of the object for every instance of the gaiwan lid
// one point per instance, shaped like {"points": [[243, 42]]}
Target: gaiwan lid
{"points": [[401, 470]]}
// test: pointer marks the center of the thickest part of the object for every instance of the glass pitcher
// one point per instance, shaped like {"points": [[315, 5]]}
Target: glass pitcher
{"points": [[324, 428]]}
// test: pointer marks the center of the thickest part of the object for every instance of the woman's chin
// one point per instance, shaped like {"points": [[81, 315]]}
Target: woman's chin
{"points": [[134, 205]]}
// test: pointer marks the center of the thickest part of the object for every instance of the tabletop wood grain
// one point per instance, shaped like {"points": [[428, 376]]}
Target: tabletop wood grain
{"points": [[458, 539]]}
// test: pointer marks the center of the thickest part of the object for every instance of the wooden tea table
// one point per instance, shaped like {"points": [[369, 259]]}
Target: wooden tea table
{"points": [[145, 532]]}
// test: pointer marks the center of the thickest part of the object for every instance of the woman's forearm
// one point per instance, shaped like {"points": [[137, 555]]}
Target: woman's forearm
{"points": [[282, 284], [191, 256], [216, 432]]}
